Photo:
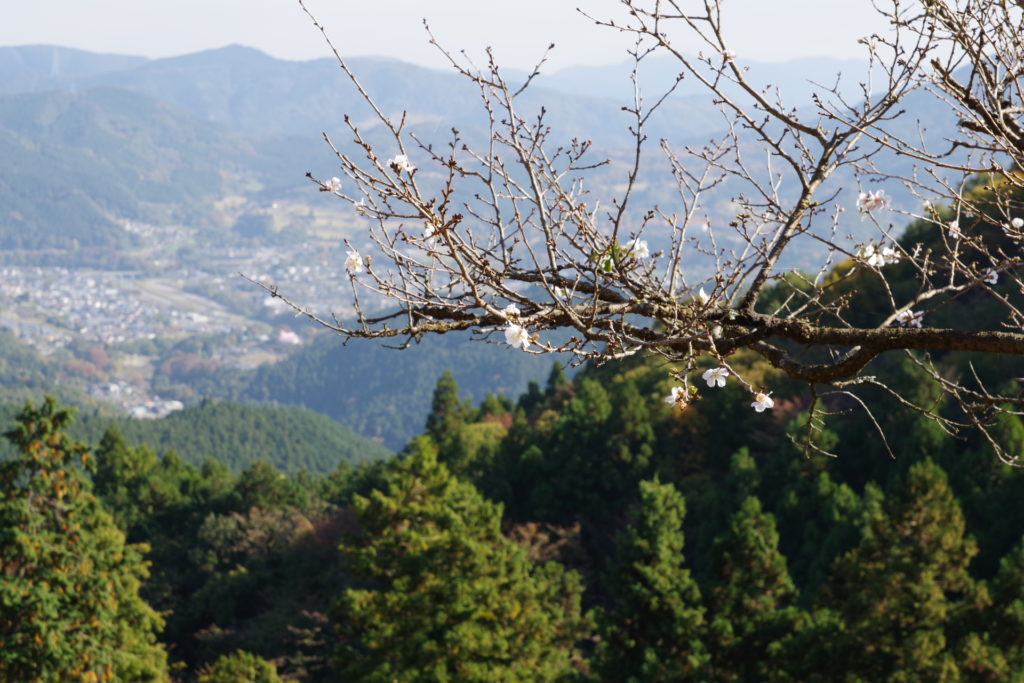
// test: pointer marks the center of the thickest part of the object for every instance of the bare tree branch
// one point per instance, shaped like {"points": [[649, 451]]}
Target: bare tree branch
{"points": [[519, 238]]}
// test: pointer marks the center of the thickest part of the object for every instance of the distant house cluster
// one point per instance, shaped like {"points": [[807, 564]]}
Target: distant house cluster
{"points": [[134, 400], [186, 285], [154, 409]]}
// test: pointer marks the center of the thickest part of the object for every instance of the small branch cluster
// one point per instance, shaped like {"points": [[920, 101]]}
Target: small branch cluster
{"points": [[510, 239]]}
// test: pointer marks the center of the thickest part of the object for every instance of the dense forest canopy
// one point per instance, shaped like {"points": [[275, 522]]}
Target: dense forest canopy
{"points": [[587, 530], [234, 435]]}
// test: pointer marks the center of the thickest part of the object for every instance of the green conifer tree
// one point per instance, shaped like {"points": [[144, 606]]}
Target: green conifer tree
{"points": [[744, 478], [447, 411], [631, 434], [448, 597], [818, 518], [132, 482], [69, 585], [653, 630], [495, 405], [533, 397], [896, 592], [991, 645], [560, 463], [750, 604], [557, 381], [718, 502], [1008, 605], [239, 667]]}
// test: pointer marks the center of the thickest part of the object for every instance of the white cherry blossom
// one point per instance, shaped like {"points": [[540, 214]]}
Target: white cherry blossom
{"points": [[890, 255], [677, 397], [909, 318], [401, 162], [1017, 223], [511, 312], [333, 185], [429, 234], [991, 277], [703, 297], [872, 255], [728, 56], [516, 335], [353, 262], [872, 201], [715, 376], [762, 401], [954, 230], [638, 248]]}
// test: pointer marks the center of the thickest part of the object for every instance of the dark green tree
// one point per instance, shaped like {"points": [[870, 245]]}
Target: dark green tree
{"points": [[495, 406], [819, 518], [1007, 622], [570, 463], [239, 667], [653, 630], [898, 590], [447, 412], [557, 383], [750, 604], [718, 502], [263, 486], [533, 397], [69, 597], [630, 429], [447, 597], [133, 483], [991, 645], [744, 478]]}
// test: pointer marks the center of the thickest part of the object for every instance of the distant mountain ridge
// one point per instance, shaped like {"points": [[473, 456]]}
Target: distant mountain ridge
{"points": [[77, 162], [32, 68], [49, 67], [259, 95], [795, 79], [240, 115], [270, 114]]}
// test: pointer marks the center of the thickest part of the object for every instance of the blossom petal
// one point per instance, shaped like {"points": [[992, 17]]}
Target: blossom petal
{"points": [[353, 262]]}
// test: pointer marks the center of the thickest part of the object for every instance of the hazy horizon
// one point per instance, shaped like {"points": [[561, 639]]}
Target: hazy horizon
{"points": [[783, 31], [398, 58]]}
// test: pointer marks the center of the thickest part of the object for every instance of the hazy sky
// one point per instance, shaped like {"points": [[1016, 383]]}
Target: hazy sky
{"points": [[764, 30]]}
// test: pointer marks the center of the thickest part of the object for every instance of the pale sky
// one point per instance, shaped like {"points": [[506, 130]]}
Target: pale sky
{"points": [[519, 30]]}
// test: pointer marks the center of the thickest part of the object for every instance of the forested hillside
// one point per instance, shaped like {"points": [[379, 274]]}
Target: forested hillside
{"points": [[382, 393], [234, 436], [24, 374], [29, 68], [175, 137], [118, 155]]}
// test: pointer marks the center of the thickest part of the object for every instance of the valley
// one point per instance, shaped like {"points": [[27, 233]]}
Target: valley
{"points": [[119, 323]]}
